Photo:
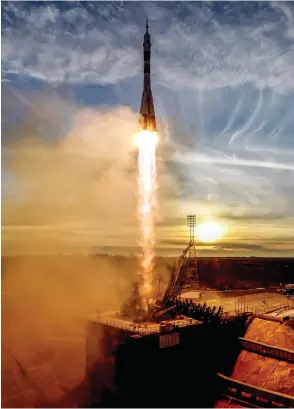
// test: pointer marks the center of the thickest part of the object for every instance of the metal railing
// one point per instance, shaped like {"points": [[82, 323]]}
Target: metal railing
{"points": [[131, 327], [249, 392], [184, 322], [142, 328], [266, 309], [273, 307], [269, 350]]}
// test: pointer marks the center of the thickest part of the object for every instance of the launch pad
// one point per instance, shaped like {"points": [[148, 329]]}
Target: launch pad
{"points": [[138, 357], [138, 364]]}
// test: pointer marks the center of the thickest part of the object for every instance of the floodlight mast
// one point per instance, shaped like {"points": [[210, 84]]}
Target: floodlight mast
{"points": [[191, 223], [192, 270]]}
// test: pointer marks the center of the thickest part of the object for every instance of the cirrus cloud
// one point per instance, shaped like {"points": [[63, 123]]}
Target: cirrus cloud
{"points": [[195, 44]]}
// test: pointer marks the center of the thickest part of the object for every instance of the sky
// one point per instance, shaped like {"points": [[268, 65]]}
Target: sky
{"points": [[223, 87]]}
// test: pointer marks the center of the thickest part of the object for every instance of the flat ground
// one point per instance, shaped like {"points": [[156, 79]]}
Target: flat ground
{"points": [[257, 303]]}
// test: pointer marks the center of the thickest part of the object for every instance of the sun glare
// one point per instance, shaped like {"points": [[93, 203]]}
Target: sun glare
{"points": [[210, 231]]}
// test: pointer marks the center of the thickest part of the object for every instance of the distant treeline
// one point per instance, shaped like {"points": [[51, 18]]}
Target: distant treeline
{"points": [[214, 272], [245, 272]]}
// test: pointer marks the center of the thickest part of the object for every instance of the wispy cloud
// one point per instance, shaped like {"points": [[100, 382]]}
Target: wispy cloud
{"points": [[195, 44], [56, 188]]}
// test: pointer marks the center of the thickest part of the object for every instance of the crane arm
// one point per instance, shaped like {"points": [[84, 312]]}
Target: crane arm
{"points": [[171, 289]]}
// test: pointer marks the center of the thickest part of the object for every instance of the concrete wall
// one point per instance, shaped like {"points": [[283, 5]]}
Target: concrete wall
{"points": [[262, 371]]}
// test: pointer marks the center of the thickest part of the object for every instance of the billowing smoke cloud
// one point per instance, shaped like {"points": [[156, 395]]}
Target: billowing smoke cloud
{"points": [[46, 303], [69, 187]]}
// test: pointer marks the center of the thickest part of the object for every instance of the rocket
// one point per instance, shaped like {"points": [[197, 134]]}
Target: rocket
{"points": [[147, 114]]}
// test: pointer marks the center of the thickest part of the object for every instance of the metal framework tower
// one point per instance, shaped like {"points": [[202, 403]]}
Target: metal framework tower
{"points": [[191, 223], [192, 269], [158, 289]]}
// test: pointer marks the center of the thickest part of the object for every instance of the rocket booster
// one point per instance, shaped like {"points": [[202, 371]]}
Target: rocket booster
{"points": [[147, 114]]}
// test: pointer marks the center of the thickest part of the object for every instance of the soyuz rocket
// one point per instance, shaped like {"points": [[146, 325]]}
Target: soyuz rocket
{"points": [[147, 114]]}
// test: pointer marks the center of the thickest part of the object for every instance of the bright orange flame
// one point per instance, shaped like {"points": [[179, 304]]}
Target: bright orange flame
{"points": [[146, 143]]}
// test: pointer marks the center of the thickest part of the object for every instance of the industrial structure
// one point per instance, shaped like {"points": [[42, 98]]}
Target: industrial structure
{"points": [[184, 274], [147, 113], [136, 355]]}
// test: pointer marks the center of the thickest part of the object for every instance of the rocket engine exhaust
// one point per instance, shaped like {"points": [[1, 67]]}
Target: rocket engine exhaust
{"points": [[147, 142]]}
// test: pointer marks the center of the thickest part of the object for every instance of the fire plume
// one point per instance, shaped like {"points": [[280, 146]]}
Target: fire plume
{"points": [[147, 185]]}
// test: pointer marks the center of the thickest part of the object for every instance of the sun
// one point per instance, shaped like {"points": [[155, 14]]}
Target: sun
{"points": [[210, 231]]}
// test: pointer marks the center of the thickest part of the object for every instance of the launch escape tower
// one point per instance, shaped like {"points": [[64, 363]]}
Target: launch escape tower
{"points": [[192, 267]]}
